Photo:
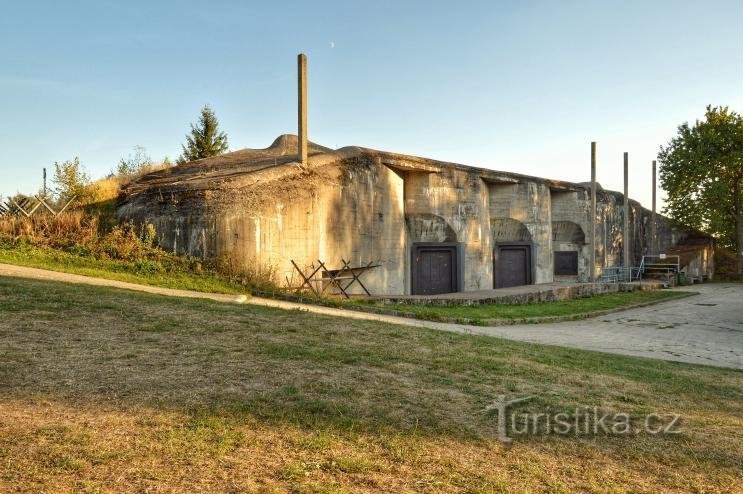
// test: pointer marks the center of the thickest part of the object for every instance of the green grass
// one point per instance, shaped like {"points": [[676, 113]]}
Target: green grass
{"points": [[149, 274], [143, 272], [570, 308], [166, 394]]}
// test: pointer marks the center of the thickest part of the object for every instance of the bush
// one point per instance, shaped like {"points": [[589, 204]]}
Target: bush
{"points": [[726, 265], [69, 229], [258, 276], [72, 181], [80, 233], [90, 236], [147, 266]]}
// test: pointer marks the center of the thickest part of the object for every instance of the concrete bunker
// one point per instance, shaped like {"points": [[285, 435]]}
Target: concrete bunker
{"points": [[428, 226]]}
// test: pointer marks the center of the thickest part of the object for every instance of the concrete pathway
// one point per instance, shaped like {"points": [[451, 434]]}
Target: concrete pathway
{"points": [[704, 329]]}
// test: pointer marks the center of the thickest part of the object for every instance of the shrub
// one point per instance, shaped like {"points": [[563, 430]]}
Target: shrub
{"points": [[147, 266], [253, 274], [88, 235], [63, 231], [136, 163], [80, 233], [72, 181], [726, 264]]}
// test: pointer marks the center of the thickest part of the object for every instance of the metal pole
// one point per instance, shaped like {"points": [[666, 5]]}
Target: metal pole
{"points": [[653, 232], [625, 235], [302, 107], [44, 182], [593, 211]]}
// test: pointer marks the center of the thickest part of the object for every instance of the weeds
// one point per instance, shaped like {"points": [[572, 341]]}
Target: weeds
{"points": [[80, 240], [79, 233]]}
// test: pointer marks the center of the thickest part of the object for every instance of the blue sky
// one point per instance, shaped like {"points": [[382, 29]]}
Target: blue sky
{"points": [[518, 86]]}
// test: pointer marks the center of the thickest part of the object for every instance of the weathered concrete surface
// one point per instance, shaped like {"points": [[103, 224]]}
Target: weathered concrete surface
{"points": [[260, 209], [704, 329]]}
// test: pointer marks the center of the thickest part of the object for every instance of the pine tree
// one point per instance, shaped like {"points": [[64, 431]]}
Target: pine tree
{"points": [[205, 139]]}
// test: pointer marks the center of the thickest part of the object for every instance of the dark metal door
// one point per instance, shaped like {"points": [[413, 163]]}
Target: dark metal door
{"points": [[434, 270], [566, 263], [512, 265]]}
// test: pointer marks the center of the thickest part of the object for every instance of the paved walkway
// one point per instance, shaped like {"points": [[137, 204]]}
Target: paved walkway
{"points": [[704, 329]]}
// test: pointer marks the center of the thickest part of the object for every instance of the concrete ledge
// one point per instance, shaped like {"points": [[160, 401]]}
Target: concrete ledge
{"points": [[584, 315], [472, 321], [548, 292], [515, 321]]}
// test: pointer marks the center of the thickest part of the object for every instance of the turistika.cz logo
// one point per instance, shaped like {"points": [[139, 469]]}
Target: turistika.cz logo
{"points": [[583, 421]]}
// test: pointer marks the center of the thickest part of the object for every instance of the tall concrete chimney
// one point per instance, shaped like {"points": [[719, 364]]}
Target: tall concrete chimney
{"points": [[625, 233], [653, 232], [593, 212], [302, 107]]}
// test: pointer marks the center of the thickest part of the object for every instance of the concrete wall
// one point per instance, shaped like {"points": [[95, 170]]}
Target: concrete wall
{"points": [[454, 204], [354, 214], [364, 222], [527, 203], [362, 210], [701, 263]]}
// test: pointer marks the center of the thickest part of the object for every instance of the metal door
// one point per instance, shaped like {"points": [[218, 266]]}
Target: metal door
{"points": [[434, 269], [566, 263], [512, 265]]}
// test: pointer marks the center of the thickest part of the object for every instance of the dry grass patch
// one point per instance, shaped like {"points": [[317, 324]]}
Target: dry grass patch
{"points": [[104, 389], [62, 447]]}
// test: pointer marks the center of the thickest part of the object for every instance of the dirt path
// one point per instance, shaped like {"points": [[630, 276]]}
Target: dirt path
{"points": [[706, 329]]}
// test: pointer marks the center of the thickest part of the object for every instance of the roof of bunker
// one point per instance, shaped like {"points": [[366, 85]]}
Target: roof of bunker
{"points": [[248, 167]]}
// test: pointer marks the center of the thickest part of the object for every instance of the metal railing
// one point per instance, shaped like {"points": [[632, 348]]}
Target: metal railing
{"points": [[620, 274], [663, 266], [662, 262]]}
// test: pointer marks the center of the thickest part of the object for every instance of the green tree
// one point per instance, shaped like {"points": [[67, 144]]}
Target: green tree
{"points": [[71, 180], [701, 170], [138, 162], [205, 139]]}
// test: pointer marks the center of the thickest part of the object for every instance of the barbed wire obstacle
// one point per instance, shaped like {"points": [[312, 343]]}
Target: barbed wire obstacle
{"points": [[28, 206], [318, 279]]}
